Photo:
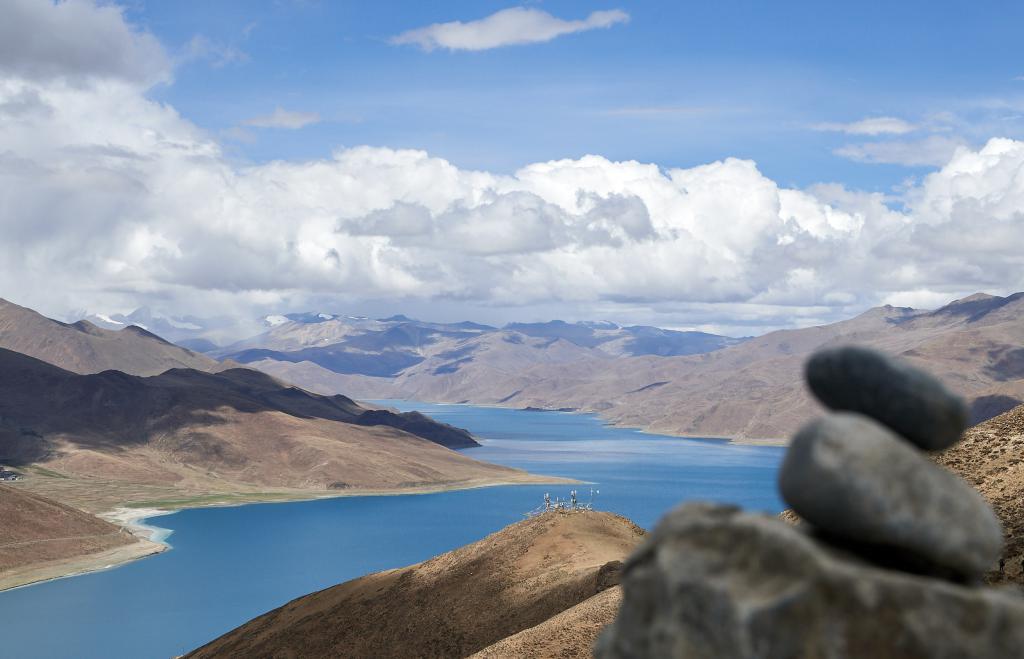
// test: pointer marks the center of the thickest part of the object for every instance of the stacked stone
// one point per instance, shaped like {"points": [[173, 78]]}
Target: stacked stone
{"points": [[887, 565], [859, 475]]}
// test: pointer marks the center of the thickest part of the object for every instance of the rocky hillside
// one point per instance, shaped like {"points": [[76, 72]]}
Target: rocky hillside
{"points": [[991, 458], [494, 596], [85, 348]]}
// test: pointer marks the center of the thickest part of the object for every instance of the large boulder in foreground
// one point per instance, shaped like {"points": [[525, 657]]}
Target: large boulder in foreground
{"points": [[713, 581]]}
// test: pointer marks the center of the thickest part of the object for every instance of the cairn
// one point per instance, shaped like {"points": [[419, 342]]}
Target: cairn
{"points": [[859, 475], [886, 562]]}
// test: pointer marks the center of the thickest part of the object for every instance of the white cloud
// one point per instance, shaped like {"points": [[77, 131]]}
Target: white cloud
{"points": [[112, 200], [76, 40], [870, 126], [281, 118], [508, 27], [933, 151]]}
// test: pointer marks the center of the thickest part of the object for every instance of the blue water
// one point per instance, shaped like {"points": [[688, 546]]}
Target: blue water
{"points": [[231, 564]]}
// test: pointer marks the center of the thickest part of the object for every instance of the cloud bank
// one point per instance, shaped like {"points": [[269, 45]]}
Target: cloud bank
{"points": [[111, 200], [75, 40], [508, 27]]}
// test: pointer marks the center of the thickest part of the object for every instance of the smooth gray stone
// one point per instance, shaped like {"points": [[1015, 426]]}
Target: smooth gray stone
{"points": [[714, 582], [910, 401], [854, 479]]}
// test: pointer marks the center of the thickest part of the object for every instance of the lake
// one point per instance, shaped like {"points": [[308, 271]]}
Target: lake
{"points": [[228, 565]]}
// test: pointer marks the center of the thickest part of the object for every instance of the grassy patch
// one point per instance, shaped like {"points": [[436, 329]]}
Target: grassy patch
{"points": [[43, 471]]}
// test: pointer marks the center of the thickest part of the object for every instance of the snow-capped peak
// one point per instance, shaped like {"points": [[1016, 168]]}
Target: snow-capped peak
{"points": [[107, 319]]}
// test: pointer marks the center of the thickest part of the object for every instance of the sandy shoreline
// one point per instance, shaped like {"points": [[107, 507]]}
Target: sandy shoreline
{"points": [[131, 519], [79, 565]]}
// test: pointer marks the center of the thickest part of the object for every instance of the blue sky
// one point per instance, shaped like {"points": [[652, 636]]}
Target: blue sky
{"points": [[680, 84], [727, 166]]}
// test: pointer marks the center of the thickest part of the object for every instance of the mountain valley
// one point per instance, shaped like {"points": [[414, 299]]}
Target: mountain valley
{"points": [[663, 381]]}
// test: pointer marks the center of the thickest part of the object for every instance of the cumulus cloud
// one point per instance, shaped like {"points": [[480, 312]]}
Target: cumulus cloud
{"points": [[870, 126], [76, 40], [112, 200], [281, 118], [933, 151], [508, 27]]}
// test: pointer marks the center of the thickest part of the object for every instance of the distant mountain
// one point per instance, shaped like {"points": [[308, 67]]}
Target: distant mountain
{"points": [[626, 341], [176, 329], [239, 430], [82, 347], [328, 353], [750, 389], [546, 584]]}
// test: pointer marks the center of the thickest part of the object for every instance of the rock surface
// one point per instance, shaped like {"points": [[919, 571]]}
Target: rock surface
{"points": [[712, 581], [908, 400], [855, 480]]}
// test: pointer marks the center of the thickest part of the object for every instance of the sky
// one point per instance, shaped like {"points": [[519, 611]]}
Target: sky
{"points": [[730, 166]]}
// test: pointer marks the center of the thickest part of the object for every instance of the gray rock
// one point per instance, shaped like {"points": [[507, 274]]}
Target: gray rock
{"points": [[712, 581], [908, 400], [852, 478]]}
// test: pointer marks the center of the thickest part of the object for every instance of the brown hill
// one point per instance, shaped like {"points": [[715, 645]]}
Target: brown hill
{"points": [[41, 536], [454, 604], [191, 432], [991, 458], [84, 348], [569, 635], [753, 390]]}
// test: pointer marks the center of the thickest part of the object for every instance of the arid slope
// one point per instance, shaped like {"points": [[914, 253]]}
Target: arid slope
{"points": [[454, 604], [569, 635], [40, 533], [991, 458]]}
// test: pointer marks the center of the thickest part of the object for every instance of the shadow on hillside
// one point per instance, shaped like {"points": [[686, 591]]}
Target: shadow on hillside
{"points": [[41, 404]]}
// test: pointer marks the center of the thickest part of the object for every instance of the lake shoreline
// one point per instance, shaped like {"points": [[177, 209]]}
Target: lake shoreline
{"points": [[647, 430], [151, 540], [256, 558]]}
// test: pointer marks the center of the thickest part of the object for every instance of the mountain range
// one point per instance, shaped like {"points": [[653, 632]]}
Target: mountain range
{"points": [[95, 419], [685, 383]]}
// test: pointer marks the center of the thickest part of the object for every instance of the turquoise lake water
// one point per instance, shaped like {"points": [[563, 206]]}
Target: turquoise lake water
{"points": [[228, 565]]}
